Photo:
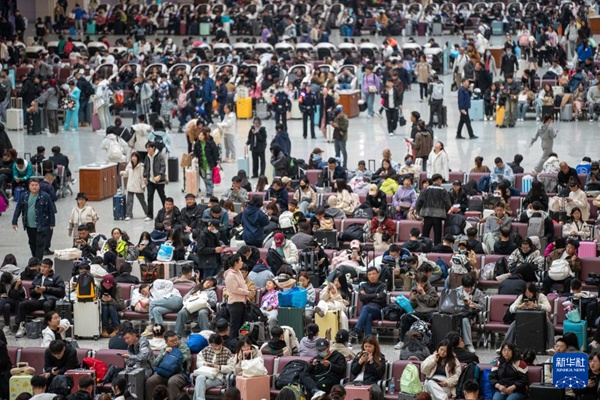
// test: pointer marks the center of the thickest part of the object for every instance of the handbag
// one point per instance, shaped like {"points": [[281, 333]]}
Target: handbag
{"points": [[403, 302], [559, 270], [165, 252], [216, 175], [254, 367], [186, 160], [22, 368], [196, 302], [450, 303], [209, 372]]}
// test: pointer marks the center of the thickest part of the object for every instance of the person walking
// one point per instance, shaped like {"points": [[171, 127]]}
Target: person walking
{"points": [[135, 184], [206, 153], [73, 112], [423, 71], [155, 171], [391, 100], [340, 135], [257, 142], [7, 89], [227, 127], [464, 104], [102, 102], [547, 134], [37, 210], [370, 87]]}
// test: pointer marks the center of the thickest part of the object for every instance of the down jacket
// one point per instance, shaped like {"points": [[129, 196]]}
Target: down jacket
{"points": [[433, 202]]}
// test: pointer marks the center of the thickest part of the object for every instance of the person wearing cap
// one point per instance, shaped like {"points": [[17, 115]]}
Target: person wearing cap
{"points": [[73, 112], [340, 125], [109, 294], [331, 173], [209, 248], [257, 142], [285, 248], [82, 214], [568, 254], [50, 98], [236, 192], [324, 370], [433, 205]]}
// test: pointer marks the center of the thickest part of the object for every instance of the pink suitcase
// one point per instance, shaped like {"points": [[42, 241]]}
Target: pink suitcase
{"points": [[254, 388], [191, 181], [587, 250], [183, 28], [76, 374], [96, 126], [358, 392]]}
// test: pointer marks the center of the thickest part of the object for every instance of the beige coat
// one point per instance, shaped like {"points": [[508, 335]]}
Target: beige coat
{"points": [[428, 367], [423, 71], [135, 183], [82, 216]]}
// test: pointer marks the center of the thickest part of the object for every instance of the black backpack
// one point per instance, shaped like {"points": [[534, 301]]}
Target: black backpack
{"points": [[470, 372], [126, 134], [501, 267], [426, 244], [158, 141], [290, 373], [353, 232], [252, 313], [392, 312], [274, 261]]}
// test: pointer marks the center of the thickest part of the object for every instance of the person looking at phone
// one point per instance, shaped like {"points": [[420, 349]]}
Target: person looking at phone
{"points": [[500, 172], [58, 359], [139, 353], [593, 378], [442, 370], [245, 351], [324, 370], [368, 366], [424, 299]]}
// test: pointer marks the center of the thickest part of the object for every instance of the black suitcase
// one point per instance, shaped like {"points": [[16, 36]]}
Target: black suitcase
{"points": [[531, 330], [442, 324], [127, 114], [34, 125], [328, 238], [546, 391], [64, 308], [119, 207], [173, 169], [309, 262]]}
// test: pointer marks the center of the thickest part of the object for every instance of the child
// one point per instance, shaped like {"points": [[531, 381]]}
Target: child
{"points": [[166, 110], [270, 303], [308, 343]]}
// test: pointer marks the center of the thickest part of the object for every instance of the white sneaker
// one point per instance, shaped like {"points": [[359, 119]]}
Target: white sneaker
{"points": [[127, 218], [471, 349], [537, 119], [368, 116], [391, 134], [21, 331], [594, 344], [7, 331], [318, 395], [147, 219], [148, 331], [399, 345]]}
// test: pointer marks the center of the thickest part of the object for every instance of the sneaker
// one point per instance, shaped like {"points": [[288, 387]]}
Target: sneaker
{"points": [[420, 101], [318, 394], [319, 312], [353, 335], [378, 113], [127, 218], [399, 345], [498, 351], [21, 331], [537, 119], [391, 134], [471, 349], [148, 331], [594, 344], [7, 331], [147, 219], [368, 116]]}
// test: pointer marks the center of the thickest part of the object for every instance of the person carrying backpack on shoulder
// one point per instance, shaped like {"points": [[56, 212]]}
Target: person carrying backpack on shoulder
{"points": [[115, 147]]}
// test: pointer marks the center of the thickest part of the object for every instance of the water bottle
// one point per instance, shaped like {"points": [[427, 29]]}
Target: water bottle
{"points": [[392, 386]]}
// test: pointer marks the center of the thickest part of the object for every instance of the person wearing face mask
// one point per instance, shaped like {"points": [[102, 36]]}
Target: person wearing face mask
{"points": [[508, 63], [315, 160], [210, 248], [324, 370], [257, 140], [305, 196]]}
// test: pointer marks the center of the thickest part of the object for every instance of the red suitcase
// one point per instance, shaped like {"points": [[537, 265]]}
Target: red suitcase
{"points": [[358, 392], [183, 28], [586, 250], [76, 374], [96, 126], [254, 388]]}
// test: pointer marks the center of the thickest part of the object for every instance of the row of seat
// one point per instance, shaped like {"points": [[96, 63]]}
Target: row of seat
{"points": [[274, 365]]}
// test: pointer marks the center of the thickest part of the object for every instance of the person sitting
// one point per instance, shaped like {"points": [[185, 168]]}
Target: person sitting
{"points": [[278, 194], [464, 355], [442, 370], [120, 389], [341, 344], [172, 375], [369, 366], [445, 246], [474, 302], [331, 173], [86, 386], [424, 300], [382, 227], [308, 343], [215, 356], [55, 328], [474, 244], [493, 224], [577, 228], [236, 192], [376, 199], [577, 199], [336, 296], [303, 238], [169, 215], [285, 248], [471, 390], [207, 287], [512, 283], [245, 350], [58, 359], [459, 198], [509, 374], [139, 353], [413, 244], [164, 298], [324, 370], [269, 303], [532, 299], [501, 172], [505, 245], [109, 294], [276, 346], [38, 388], [568, 254], [526, 261], [373, 297]]}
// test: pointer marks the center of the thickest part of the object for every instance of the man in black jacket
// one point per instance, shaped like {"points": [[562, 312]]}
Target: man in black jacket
{"points": [[373, 298], [433, 205], [86, 389], [154, 175], [331, 173], [210, 248], [308, 102], [84, 98], [392, 100], [324, 371], [257, 142], [191, 214], [58, 359], [30, 90], [513, 284], [169, 215]]}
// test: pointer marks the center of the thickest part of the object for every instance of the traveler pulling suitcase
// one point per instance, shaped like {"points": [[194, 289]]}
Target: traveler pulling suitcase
{"points": [[499, 116], [580, 330], [531, 330], [136, 381], [86, 316], [254, 387], [119, 203], [329, 324], [442, 323], [14, 119], [20, 384], [76, 374], [292, 317], [243, 108], [173, 169]]}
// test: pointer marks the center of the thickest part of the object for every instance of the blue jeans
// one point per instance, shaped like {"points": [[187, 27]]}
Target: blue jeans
{"points": [[522, 109], [160, 307], [368, 313], [345, 86], [203, 384], [340, 150], [370, 97], [109, 312], [513, 396], [184, 315]]}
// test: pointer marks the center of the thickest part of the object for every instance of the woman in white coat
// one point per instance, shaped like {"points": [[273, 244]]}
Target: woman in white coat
{"points": [[56, 328], [115, 147], [135, 184], [227, 126], [437, 163]]}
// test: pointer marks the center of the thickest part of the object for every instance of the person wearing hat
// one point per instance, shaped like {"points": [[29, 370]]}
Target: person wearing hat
{"points": [[433, 205], [568, 254], [324, 371], [331, 173], [109, 294], [340, 125], [50, 98], [286, 249], [82, 214], [73, 111]]}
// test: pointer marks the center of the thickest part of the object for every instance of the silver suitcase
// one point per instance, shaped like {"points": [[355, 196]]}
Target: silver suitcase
{"points": [[86, 318], [136, 381], [14, 119]]}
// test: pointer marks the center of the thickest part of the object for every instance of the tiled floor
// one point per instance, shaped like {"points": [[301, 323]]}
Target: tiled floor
{"points": [[367, 138]]}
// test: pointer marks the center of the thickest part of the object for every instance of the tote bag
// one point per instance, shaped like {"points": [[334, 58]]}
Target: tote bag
{"points": [[165, 252]]}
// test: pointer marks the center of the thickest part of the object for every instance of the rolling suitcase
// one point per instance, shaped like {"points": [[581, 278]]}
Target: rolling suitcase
{"points": [[476, 111], [191, 181], [132, 115], [152, 118], [531, 330], [173, 169], [14, 119], [243, 163], [136, 381], [442, 323], [254, 387], [96, 125], [20, 384], [497, 28], [64, 308], [90, 28], [329, 324], [436, 29], [328, 238], [76, 374], [499, 116], [262, 111], [296, 113], [421, 29], [566, 114], [243, 108], [292, 317], [580, 330], [183, 28], [204, 28], [119, 204], [86, 316], [34, 124], [358, 392], [175, 268], [546, 391], [587, 250]]}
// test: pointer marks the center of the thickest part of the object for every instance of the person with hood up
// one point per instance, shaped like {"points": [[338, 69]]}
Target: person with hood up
{"points": [[282, 138], [73, 112], [209, 249], [260, 274], [309, 342], [115, 147], [227, 127], [276, 346], [237, 291], [547, 134], [285, 248], [279, 160], [254, 221]]}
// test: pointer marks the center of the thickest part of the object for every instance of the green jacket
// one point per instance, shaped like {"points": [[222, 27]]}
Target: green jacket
{"points": [[343, 123]]}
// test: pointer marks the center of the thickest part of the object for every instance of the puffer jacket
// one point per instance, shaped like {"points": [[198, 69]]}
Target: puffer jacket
{"points": [[290, 252], [140, 137], [429, 366], [433, 202], [423, 144], [135, 183], [509, 373], [163, 289]]}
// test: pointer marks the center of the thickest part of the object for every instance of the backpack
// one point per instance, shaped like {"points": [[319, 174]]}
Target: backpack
{"points": [[126, 134], [443, 266], [274, 261], [61, 385], [290, 373], [459, 264], [501, 267], [196, 342], [159, 142], [437, 91], [392, 312], [255, 331], [252, 313], [426, 244], [290, 338], [86, 288], [410, 380], [293, 169], [361, 212], [352, 232], [535, 227], [423, 328], [455, 225], [298, 389], [287, 222], [115, 151], [170, 364], [470, 372]]}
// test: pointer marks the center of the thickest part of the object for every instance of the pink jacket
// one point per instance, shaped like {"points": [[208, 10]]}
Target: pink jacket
{"points": [[236, 286]]}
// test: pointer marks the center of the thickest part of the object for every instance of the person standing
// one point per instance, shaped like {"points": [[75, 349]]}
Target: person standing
{"points": [[511, 90], [257, 142], [281, 106], [102, 102], [340, 135], [37, 210], [7, 89], [73, 113], [391, 99], [87, 90], [135, 184], [227, 126], [433, 205], [208, 95], [464, 104], [29, 91], [327, 105], [436, 99], [50, 99], [547, 134], [423, 71], [370, 87], [154, 177], [206, 153], [237, 291], [308, 103]]}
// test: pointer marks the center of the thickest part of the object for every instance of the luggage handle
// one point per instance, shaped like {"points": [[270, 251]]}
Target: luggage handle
{"points": [[123, 188], [246, 151]]}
